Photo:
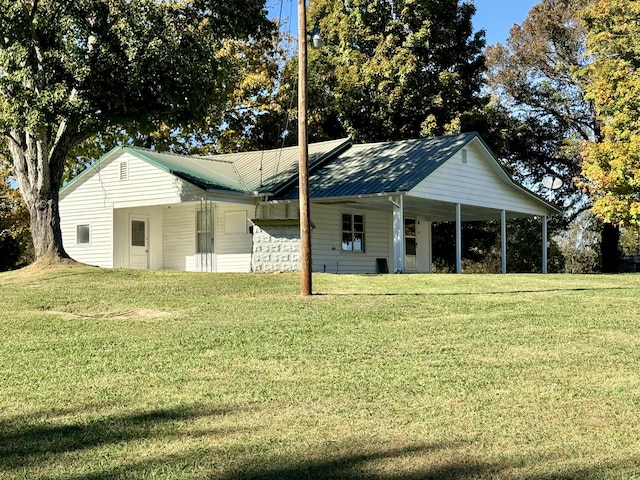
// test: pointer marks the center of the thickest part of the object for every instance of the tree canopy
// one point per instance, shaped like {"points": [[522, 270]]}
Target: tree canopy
{"points": [[394, 69], [533, 76], [612, 164], [69, 70]]}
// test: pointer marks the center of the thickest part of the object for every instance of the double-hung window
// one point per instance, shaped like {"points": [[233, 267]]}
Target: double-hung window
{"points": [[204, 231], [352, 232]]}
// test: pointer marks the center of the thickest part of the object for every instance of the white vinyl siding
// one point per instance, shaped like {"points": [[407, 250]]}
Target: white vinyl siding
{"points": [[145, 184], [231, 250], [326, 240], [179, 235], [482, 185], [88, 208], [96, 196]]}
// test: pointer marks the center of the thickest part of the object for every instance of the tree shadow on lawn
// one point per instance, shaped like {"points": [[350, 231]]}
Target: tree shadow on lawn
{"points": [[360, 466], [29, 442], [455, 294], [452, 467], [29, 439]]}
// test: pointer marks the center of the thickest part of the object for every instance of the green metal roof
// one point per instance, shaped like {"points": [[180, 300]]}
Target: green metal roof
{"points": [[262, 171], [381, 167], [337, 168], [246, 172], [206, 173]]}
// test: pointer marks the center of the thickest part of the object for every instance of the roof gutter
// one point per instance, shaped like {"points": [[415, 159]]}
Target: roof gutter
{"points": [[228, 193], [350, 197]]}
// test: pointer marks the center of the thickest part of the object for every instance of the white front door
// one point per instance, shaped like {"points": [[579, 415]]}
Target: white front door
{"points": [[410, 244], [139, 242]]}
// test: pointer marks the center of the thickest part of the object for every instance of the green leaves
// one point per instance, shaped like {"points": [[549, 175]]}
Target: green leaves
{"points": [[125, 60], [394, 66], [532, 76], [612, 165], [70, 70]]}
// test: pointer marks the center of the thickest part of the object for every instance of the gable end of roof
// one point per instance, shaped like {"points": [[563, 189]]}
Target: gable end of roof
{"points": [[87, 172]]}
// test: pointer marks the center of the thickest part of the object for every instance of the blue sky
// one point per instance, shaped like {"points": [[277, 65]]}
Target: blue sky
{"points": [[497, 16], [494, 16]]}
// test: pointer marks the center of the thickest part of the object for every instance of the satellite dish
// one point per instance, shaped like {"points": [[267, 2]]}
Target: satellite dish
{"points": [[552, 182]]}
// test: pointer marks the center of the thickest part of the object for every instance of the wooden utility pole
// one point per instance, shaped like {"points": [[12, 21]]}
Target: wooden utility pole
{"points": [[303, 166]]}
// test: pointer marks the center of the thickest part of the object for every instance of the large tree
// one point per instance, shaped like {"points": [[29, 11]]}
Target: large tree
{"points": [[535, 76], [395, 69], [72, 69], [612, 164]]}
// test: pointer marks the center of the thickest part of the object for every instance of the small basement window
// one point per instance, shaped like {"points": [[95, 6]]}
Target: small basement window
{"points": [[83, 235]]}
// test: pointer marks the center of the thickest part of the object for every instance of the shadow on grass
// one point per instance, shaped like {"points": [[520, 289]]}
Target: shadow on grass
{"points": [[456, 294], [29, 439], [370, 465], [448, 471], [32, 443], [361, 466]]}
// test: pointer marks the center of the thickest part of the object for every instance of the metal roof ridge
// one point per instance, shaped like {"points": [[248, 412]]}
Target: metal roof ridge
{"points": [[345, 144], [418, 139], [142, 150], [240, 178]]}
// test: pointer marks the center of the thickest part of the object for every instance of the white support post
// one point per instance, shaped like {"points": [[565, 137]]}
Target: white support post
{"points": [[458, 238], [503, 240], [430, 254], [398, 233], [545, 244]]}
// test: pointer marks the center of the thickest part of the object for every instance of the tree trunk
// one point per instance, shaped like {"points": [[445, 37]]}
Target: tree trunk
{"points": [[39, 171], [45, 225], [609, 248]]}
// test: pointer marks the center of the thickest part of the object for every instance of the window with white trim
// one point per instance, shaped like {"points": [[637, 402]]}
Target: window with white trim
{"points": [[352, 232], [83, 234]]}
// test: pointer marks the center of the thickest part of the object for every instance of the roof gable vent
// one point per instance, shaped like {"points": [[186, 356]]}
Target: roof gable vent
{"points": [[124, 171], [464, 155]]}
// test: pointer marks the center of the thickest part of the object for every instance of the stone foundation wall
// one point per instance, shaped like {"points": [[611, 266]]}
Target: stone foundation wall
{"points": [[276, 247]]}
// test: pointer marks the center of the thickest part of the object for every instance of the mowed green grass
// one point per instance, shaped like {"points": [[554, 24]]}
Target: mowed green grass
{"points": [[121, 374]]}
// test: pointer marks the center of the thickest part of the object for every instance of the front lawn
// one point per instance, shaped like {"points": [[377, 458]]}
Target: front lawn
{"points": [[122, 374]]}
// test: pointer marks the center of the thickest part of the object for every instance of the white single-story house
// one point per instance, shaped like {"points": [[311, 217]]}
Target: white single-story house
{"points": [[372, 206]]}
